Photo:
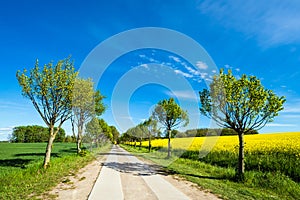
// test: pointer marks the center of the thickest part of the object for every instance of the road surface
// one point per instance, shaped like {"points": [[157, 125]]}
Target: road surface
{"points": [[124, 176]]}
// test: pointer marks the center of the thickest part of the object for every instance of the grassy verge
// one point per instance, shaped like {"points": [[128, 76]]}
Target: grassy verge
{"points": [[220, 180], [21, 172]]}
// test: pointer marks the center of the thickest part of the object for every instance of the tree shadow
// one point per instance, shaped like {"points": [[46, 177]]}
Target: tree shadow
{"points": [[18, 162], [135, 168], [117, 154], [173, 172], [70, 150], [206, 177], [35, 154]]}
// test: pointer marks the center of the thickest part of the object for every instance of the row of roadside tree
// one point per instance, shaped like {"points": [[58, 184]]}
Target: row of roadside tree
{"points": [[241, 105], [59, 95]]}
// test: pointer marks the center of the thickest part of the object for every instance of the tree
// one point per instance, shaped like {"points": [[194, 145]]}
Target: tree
{"points": [[85, 105], [115, 134], [170, 115], [50, 90], [139, 132], [239, 104], [93, 131], [151, 129], [82, 106], [34, 133], [106, 129]]}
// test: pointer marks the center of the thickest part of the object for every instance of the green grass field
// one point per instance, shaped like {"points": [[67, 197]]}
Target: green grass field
{"points": [[21, 172], [19, 155]]}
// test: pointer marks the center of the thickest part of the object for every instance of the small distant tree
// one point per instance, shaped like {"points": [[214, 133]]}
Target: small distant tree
{"points": [[241, 104], [82, 107], [140, 131], [93, 131], [115, 134], [132, 135], [170, 115], [85, 105], [50, 90], [106, 129], [151, 129]]}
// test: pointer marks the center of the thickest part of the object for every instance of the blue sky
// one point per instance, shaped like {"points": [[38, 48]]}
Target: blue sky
{"points": [[260, 38]]}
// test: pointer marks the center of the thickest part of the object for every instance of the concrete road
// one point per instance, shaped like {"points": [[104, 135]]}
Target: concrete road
{"points": [[123, 176]]}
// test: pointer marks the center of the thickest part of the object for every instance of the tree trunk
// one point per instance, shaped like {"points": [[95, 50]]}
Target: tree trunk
{"points": [[78, 144], [79, 139], [241, 164], [140, 143], [169, 143], [149, 147], [49, 148]]}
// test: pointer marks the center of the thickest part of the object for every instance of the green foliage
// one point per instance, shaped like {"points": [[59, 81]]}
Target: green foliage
{"points": [[70, 139], [106, 129], [169, 114], [50, 90], [83, 104], [212, 132], [99, 106], [35, 133], [94, 133], [115, 134], [240, 104], [151, 126]]}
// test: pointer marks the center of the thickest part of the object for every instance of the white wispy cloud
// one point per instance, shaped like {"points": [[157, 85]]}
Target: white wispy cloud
{"points": [[145, 66], [201, 65], [271, 23], [190, 95], [291, 107], [187, 75], [174, 58], [192, 71], [280, 125], [6, 129], [14, 105], [291, 116], [203, 75]]}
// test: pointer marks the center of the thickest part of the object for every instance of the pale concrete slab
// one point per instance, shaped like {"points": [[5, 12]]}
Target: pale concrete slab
{"points": [[108, 184], [163, 189]]}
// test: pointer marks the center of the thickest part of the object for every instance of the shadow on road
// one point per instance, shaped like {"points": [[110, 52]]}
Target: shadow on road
{"points": [[135, 168], [116, 154]]}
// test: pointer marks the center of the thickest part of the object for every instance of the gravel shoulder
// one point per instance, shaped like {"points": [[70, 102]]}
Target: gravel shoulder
{"points": [[77, 186]]}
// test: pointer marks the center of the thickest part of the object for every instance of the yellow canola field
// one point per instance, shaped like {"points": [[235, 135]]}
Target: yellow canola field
{"points": [[276, 142]]}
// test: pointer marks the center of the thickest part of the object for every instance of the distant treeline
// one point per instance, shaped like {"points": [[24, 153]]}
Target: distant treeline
{"points": [[35, 133], [202, 132], [210, 132]]}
